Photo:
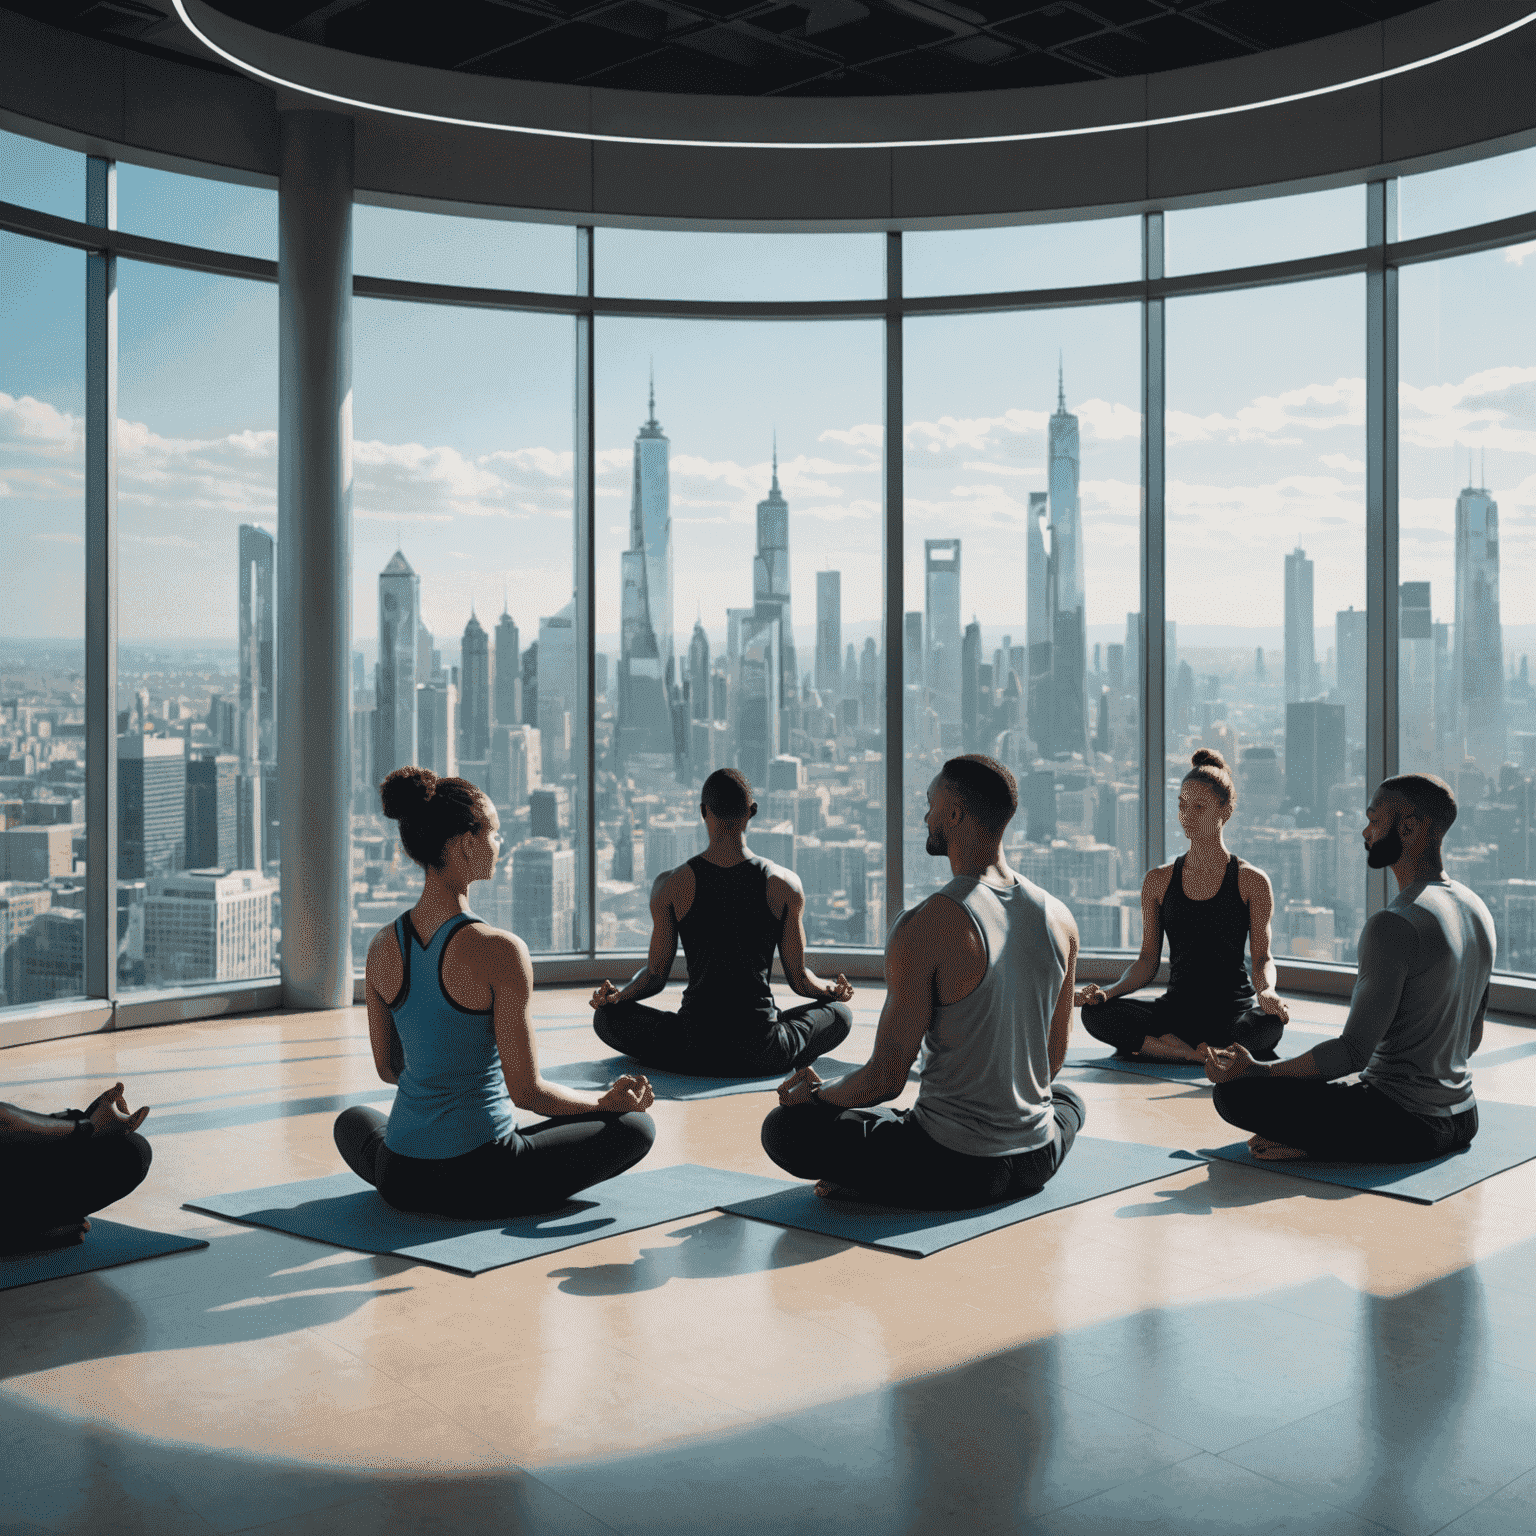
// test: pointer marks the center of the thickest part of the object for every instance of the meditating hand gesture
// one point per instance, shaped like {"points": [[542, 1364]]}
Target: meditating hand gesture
{"points": [[605, 994], [839, 991], [110, 1114], [1226, 1063], [1090, 996], [798, 1087], [632, 1091]]}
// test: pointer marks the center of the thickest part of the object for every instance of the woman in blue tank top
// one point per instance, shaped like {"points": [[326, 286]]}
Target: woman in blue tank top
{"points": [[448, 1022], [1212, 905]]}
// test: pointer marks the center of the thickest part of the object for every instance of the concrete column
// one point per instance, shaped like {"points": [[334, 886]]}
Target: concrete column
{"points": [[314, 556]]}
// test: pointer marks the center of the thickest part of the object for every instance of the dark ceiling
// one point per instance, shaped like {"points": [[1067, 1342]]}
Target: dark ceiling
{"points": [[763, 47]]}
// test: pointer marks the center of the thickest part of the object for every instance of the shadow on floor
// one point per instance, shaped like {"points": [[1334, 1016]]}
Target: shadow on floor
{"points": [[1311, 1407]]}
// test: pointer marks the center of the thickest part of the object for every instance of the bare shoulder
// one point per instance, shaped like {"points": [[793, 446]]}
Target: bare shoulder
{"points": [[1157, 881], [384, 945], [1061, 920], [937, 918], [386, 966], [673, 887], [494, 952], [1252, 881], [782, 883]]}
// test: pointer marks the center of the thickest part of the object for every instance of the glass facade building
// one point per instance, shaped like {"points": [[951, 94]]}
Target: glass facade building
{"points": [[598, 553]]}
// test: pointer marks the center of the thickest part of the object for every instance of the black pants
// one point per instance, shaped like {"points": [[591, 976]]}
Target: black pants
{"points": [[884, 1155], [1125, 1022], [537, 1168], [1340, 1123], [58, 1183], [672, 1042]]}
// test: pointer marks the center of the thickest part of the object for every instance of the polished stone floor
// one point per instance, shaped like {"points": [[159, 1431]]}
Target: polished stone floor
{"points": [[1224, 1351]]}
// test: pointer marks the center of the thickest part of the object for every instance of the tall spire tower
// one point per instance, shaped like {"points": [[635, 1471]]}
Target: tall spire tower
{"points": [[770, 574], [646, 662]]}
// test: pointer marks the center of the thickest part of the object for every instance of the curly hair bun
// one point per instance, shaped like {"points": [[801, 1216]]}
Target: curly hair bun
{"points": [[1204, 757], [406, 792]]}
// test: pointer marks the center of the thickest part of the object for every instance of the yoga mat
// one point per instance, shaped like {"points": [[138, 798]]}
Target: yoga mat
{"points": [[594, 1076], [1506, 1137], [346, 1212], [1093, 1167], [106, 1245]]}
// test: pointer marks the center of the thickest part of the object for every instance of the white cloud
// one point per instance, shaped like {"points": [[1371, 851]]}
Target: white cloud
{"points": [[1492, 409], [1516, 254], [1343, 463]]}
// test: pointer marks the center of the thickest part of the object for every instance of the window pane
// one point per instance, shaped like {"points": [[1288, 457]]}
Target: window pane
{"points": [[1477, 193], [1266, 229], [195, 210], [1027, 256], [668, 264], [471, 252], [42, 622], [779, 565], [198, 819], [1468, 616], [465, 650], [1022, 544], [38, 175], [1266, 589]]}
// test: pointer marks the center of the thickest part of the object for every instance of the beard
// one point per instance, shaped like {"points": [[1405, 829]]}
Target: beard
{"points": [[937, 845], [1385, 851]]}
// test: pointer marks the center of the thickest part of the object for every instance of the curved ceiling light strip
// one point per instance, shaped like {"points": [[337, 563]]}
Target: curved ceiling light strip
{"points": [[949, 143]]}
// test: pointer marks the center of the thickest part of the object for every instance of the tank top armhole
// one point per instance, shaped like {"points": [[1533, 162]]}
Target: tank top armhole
{"points": [[977, 929], [463, 921], [403, 934]]}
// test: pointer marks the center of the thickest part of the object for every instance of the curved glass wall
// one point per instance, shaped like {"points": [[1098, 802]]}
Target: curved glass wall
{"points": [[1011, 518]]}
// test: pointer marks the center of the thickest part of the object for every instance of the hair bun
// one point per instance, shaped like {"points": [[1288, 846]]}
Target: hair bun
{"points": [[406, 792], [1204, 757]]}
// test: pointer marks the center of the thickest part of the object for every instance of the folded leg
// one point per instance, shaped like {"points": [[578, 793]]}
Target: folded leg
{"points": [[1124, 1023], [803, 1034], [653, 1036], [58, 1184]]}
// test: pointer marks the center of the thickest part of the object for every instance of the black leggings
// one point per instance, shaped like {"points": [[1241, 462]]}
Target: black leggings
{"points": [[534, 1168], [1340, 1124], [716, 1048], [59, 1182], [1125, 1022], [884, 1155]]}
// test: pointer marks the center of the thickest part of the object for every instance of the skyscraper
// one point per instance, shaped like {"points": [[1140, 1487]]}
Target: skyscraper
{"points": [[475, 692], [1349, 663], [698, 673], [557, 686], [151, 806], [1300, 637], [257, 733], [211, 808], [829, 635], [975, 716], [755, 695], [507, 677], [912, 657], [770, 578], [1315, 756], [941, 593], [1416, 737], [645, 657], [394, 713], [1056, 612], [544, 894], [437, 710], [1478, 662]]}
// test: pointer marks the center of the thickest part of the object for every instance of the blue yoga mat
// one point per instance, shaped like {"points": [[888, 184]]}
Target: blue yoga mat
{"points": [[106, 1245], [594, 1076], [1093, 1167], [1506, 1137], [348, 1213]]}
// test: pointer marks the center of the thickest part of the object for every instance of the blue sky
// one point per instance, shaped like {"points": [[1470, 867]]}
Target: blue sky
{"points": [[463, 419]]}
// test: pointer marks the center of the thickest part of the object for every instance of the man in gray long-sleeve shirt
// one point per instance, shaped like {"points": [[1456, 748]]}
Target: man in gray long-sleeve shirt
{"points": [[1421, 989]]}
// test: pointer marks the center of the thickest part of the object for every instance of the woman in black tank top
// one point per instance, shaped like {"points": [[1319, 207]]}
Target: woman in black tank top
{"points": [[1210, 999], [719, 905]]}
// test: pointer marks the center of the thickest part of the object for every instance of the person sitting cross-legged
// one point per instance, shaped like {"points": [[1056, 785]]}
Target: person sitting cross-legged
{"points": [[980, 977], [1416, 1015], [56, 1169], [449, 1023], [1212, 905], [731, 910]]}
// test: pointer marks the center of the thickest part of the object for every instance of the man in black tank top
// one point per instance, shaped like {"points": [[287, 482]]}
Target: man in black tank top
{"points": [[731, 910]]}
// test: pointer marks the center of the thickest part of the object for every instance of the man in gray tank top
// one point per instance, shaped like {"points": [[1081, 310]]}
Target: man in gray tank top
{"points": [[731, 910], [980, 976], [1421, 989]]}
